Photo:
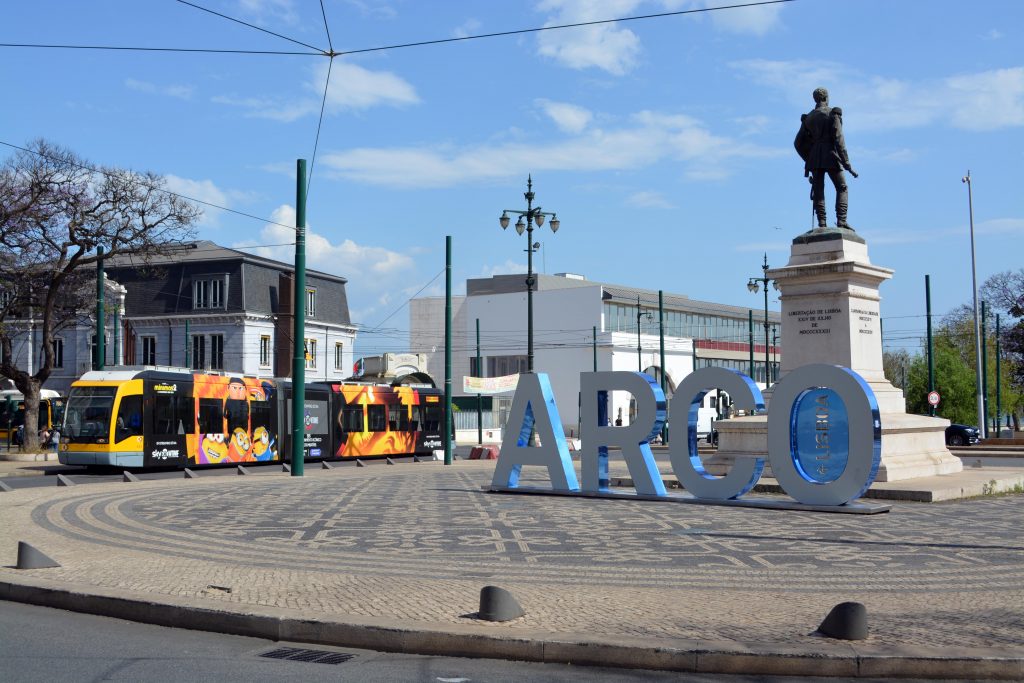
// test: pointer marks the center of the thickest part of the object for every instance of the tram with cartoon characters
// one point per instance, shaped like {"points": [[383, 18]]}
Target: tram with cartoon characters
{"points": [[169, 417]]}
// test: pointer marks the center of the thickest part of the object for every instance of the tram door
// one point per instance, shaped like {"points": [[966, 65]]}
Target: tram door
{"points": [[316, 427], [168, 419]]}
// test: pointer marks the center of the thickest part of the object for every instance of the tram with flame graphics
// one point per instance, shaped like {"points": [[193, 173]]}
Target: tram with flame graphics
{"points": [[140, 418]]}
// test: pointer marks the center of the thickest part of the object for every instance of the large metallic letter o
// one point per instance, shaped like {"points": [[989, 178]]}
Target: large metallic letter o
{"points": [[865, 429], [685, 461]]}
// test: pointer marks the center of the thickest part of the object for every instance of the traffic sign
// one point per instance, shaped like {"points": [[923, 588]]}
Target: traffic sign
{"points": [[933, 398]]}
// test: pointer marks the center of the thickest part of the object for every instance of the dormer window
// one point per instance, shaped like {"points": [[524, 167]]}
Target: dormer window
{"points": [[209, 293]]}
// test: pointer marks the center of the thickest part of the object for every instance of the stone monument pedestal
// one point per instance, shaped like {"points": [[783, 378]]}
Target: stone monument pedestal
{"points": [[830, 314]]}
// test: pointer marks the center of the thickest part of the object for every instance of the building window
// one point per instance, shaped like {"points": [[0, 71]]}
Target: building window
{"points": [[339, 356], [198, 352], [92, 348], [58, 353], [209, 293], [216, 351], [265, 351], [310, 302], [311, 353], [6, 298], [499, 366], [149, 350]]}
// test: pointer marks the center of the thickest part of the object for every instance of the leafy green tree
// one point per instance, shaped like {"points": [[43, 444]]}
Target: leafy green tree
{"points": [[954, 380]]}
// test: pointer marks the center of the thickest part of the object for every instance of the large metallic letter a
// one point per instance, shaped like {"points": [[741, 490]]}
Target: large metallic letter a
{"points": [[534, 409]]}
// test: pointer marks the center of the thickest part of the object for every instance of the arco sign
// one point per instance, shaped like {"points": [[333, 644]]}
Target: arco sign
{"points": [[824, 435]]}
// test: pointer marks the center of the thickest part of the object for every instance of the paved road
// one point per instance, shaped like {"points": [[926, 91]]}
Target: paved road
{"points": [[54, 646]]}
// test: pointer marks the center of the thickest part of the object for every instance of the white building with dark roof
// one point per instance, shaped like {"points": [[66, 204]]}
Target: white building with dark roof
{"points": [[211, 308]]}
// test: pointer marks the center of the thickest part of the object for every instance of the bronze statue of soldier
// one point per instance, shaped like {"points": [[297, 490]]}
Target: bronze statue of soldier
{"points": [[820, 144]]}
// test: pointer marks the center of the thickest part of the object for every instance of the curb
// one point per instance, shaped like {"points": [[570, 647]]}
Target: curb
{"points": [[831, 658]]}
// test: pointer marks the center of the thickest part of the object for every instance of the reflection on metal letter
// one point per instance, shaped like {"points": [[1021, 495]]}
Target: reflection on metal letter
{"points": [[634, 439], [686, 462], [865, 435], [534, 409]]}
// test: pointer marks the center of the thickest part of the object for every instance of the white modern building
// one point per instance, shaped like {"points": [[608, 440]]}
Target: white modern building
{"points": [[576, 321]]}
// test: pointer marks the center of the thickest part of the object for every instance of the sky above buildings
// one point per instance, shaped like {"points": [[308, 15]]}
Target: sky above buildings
{"points": [[664, 145]]}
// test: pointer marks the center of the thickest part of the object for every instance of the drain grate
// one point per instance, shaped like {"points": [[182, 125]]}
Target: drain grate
{"points": [[299, 654]]}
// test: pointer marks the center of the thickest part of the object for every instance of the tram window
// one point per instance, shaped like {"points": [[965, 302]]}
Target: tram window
{"points": [[129, 418], [403, 418], [377, 417], [211, 416], [352, 419], [237, 413], [433, 421], [186, 414], [394, 416], [417, 419], [260, 414], [163, 414]]}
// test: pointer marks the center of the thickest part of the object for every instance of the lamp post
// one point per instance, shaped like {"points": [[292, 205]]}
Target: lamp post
{"points": [[639, 349], [977, 324], [532, 215], [753, 285]]}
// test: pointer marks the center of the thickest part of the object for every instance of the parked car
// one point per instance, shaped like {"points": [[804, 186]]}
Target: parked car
{"points": [[962, 435]]}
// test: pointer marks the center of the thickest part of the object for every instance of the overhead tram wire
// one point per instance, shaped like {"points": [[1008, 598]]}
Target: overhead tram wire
{"points": [[397, 46], [245, 23]]}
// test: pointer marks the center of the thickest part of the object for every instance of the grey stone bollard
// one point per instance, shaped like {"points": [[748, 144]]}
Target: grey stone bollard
{"points": [[846, 621], [128, 476], [64, 481], [285, 467], [189, 474], [30, 557], [360, 463], [324, 465], [497, 604]]}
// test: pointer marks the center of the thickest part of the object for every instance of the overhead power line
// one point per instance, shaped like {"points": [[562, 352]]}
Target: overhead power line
{"points": [[245, 23], [397, 46]]}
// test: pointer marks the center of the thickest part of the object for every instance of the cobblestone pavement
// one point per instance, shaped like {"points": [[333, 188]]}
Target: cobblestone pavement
{"points": [[417, 542]]}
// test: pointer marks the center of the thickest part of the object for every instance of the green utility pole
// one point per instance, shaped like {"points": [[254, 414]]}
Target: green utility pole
{"points": [[299, 328], [448, 350], [479, 397], [100, 350], [931, 351], [661, 343], [999, 401], [984, 370], [595, 348], [750, 323]]}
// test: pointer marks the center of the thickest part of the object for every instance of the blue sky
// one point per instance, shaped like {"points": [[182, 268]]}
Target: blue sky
{"points": [[665, 145]]}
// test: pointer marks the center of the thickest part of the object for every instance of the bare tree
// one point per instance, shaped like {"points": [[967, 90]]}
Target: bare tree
{"points": [[55, 211]]}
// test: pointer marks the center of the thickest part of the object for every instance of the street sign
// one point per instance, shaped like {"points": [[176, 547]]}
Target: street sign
{"points": [[933, 398]]}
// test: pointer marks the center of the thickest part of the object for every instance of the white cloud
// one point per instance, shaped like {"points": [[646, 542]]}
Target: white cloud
{"points": [[647, 199], [468, 28], [269, 11], [993, 34], [648, 138], [568, 117], [987, 100], [1001, 226], [181, 92], [747, 20], [378, 9], [203, 190], [366, 266], [509, 267], [606, 46], [352, 87]]}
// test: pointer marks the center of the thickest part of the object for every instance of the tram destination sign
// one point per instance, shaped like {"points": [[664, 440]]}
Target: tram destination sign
{"points": [[824, 439]]}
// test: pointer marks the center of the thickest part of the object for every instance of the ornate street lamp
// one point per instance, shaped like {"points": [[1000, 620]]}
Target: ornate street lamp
{"points": [[753, 286], [639, 351], [531, 215]]}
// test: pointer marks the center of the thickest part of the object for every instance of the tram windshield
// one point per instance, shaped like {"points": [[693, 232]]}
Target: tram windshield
{"points": [[87, 414]]}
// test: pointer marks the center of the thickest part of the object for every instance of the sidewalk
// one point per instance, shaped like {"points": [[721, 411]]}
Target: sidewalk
{"points": [[394, 558]]}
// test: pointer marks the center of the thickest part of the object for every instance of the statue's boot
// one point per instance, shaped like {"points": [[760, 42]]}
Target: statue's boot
{"points": [[819, 211], [841, 216]]}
